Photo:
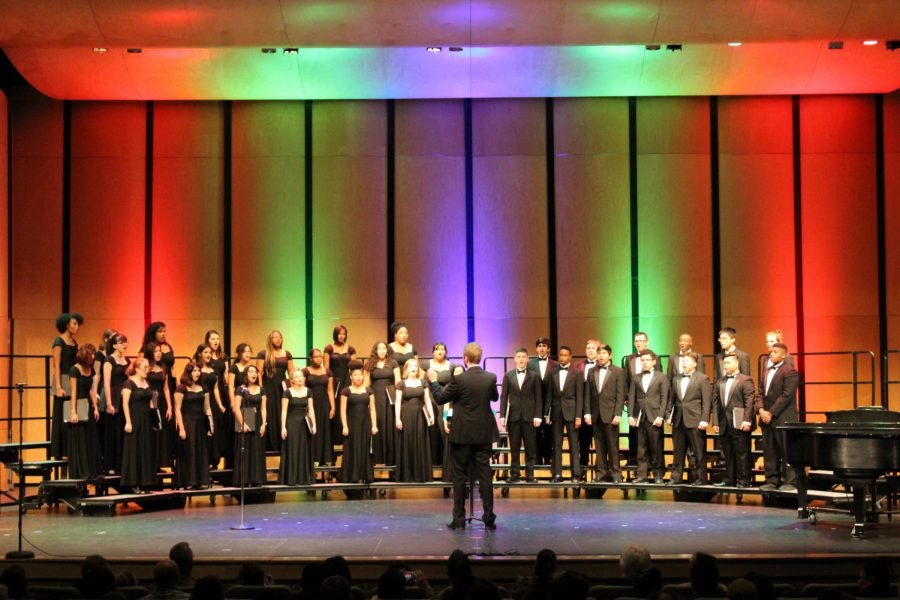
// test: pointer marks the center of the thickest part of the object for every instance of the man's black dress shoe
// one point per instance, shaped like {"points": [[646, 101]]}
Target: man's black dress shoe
{"points": [[456, 525]]}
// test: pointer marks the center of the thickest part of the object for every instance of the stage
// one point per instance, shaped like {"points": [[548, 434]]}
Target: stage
{"points": [[411, 524]]}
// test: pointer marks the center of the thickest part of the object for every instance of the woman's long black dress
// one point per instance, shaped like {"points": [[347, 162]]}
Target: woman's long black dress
{"points": [[169, 428], [140, 459], [83, 445], [114, 425], [210, 382], [58, 433], [413, 446], [339, 363], [322, 445], [296, 460], [382, 384], [222, 441], [254, 445], [157, 382], [356, 460], [274, 392], [192, 462]]}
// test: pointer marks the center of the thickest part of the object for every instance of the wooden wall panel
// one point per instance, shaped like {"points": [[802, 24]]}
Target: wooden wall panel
{"points": [[593, 260], [840, 267], [37, 153], [268, 215], [187, 290], [430, 220], [674, 221], [892, 247], [757, 220], [349, 226], [510, 223], [108, 207]]}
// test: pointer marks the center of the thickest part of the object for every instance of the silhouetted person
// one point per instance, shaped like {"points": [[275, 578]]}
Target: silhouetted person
{"points": [[633, 561], [182, 555], [764, 588], [391, 585], [97, 578], [459, 571], [484, 589], [704, 572], [165, 576], [875, 578], [16, 582], [647, 582], [208, 588], [741, 589], [335, 587], [569, 585], [251, 574]]}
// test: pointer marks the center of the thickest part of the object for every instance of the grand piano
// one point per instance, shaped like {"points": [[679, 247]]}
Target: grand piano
{"points": [[858, 445]]}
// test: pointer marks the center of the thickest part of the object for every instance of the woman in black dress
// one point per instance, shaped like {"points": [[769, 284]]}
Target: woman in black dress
{"points": [[412, 423], [440, 446], [250, 395], [158, 378], [338, 356], [83, 445], [209, 379], [193, 421], [298, 424], [358, 426], [274, 363], [400, 349], [99, 361], [382, 375], [156, 333], [114, 378], [320, 383], [63, 350], [223, 440], [140, 459], [234, 380]]}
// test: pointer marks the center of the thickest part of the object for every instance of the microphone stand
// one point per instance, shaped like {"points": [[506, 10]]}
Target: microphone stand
{"points": [[242, 526], [20, 554]]}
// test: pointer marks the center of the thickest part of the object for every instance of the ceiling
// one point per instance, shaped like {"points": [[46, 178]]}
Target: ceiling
{"points": [[211, 49]]}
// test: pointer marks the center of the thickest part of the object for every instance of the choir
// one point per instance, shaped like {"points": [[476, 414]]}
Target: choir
{"points": [[130, 416]]}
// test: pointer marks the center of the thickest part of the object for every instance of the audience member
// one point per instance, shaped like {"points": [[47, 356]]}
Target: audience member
{"points": [[183, 556], [335, 587], [741, 589], [704, 574], [252, 574], [484, 589], [633, 561], [208, 588], [647, 582], [391, 585], [875, 578], [459, 571], [569, 585], [13, 577], [764, 588], [165, 578]]}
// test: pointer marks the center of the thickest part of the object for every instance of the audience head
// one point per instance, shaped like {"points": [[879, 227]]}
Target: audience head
{"points": [[704, 572], [391, 584], [165, 575], [633, 561], [483, 589], [312, 577], [458, 565], [208, 588], [335, 587], [125, 579], [647, 582], [251, 574], [545, 563], [570, 585], [741, 589], [337, 565], [764, 588], [182, 555], [13, 577]]}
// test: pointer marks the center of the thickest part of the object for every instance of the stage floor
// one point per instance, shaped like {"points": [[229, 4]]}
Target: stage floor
{"points": [[411, 523]]}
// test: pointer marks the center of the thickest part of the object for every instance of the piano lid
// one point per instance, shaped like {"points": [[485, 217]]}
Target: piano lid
{"points": [[866, 415]]}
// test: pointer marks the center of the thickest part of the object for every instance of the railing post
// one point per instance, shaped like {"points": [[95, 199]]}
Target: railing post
{"points": [[47, 400]]}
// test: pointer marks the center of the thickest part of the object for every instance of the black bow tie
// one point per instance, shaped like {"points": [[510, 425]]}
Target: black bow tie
{"points": [[773, 367], [645, 372], [683, 375], [730, 376], [591, 362], [542, 359], [603, 368], [565, 368], [520, 372]]}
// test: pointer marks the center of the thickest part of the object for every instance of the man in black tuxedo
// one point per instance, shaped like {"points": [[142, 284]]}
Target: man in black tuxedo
{"points": [[632, 366], [692, 397], [543, 365], [685, 345], [584, 368], [472, 431], [603, 412], [776, 336], [728, 341], [733, 403], [648, 406], [521, 413], [563, 413], [777, 404]]}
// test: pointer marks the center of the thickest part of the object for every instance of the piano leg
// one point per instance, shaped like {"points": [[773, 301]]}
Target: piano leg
{"points": [[859, 507], [802, 486]]}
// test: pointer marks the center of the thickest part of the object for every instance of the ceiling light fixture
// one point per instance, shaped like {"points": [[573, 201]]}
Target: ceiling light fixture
{"points": [[433, 49], [835, 45], [134, 50], [101, 50], [673, 47], [735, 44], [455, 49], [652, 47], [891, 45], [267, 50], [870, 42], [292, 50]]}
